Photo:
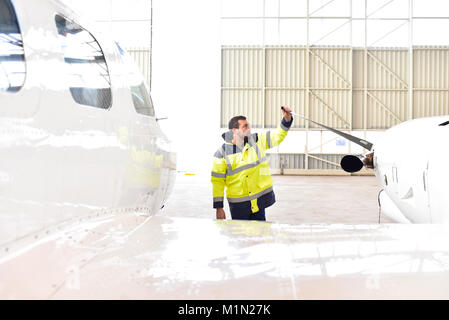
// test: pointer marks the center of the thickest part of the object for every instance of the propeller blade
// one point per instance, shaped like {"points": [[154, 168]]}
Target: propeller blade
{"points": [[365, 144]]}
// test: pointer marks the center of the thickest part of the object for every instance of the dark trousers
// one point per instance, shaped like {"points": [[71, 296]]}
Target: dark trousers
{"points": [[248, 215]]}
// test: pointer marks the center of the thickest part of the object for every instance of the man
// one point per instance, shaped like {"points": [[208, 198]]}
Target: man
{"points": [[240, 165]]}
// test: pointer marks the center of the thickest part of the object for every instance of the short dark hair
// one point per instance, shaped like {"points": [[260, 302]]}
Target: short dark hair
{"points": [[234, 122]]}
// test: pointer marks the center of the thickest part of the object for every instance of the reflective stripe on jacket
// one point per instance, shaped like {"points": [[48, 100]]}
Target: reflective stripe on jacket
{"points": [[244, 172]]}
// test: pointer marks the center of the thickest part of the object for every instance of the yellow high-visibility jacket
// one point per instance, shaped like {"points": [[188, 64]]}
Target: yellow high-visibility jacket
{"points": [[244, 172]]}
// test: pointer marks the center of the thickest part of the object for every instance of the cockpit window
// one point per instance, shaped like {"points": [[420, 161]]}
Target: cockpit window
{"points": [[142, 100], [444, 123], [139, 92], [12, 58], [86, 68]]}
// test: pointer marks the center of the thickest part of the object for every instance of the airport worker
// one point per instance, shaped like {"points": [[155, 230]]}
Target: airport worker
{"points": [[240, 166]]}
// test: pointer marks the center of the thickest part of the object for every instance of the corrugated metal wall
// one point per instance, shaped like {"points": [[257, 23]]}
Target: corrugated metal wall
{"points": [[285, 83], [431, 82], [242, 83], [382, 101], [342, 87], [256, 81]]}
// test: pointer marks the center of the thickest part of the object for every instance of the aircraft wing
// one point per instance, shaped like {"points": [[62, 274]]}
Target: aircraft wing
{"points": [[129, 256]]}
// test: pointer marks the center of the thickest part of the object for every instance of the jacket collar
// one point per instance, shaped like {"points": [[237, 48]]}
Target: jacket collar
{"points": [[228, 136]]}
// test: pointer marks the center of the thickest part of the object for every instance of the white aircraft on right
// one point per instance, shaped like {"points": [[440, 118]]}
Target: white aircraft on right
{"points": [[411, 164]]}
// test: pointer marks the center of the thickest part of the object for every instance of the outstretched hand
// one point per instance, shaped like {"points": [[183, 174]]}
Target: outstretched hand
{"points": [[286, 112]]}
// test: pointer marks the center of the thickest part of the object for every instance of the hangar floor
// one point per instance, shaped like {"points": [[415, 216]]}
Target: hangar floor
{"points": [[299, 199]]}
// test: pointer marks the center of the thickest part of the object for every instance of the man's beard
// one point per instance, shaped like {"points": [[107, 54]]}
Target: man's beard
{"points": [[245, 136]]}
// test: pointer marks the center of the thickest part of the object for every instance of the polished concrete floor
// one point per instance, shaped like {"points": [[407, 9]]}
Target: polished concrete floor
{"points": [[299, 199]]}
